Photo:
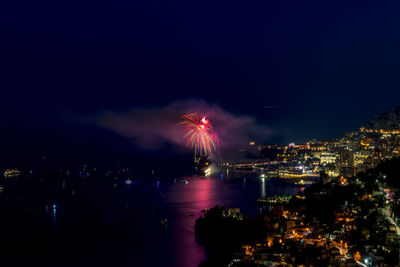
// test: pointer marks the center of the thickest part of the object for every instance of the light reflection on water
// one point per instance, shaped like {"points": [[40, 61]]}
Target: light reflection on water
{"points": [[55, 226], [187, 201], [262, 186]]}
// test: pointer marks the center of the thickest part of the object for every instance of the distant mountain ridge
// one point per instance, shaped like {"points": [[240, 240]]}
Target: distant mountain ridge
{"points": [[388, 120]]}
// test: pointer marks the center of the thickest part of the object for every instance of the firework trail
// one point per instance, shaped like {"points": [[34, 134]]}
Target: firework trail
{"points": [[199, 134]]}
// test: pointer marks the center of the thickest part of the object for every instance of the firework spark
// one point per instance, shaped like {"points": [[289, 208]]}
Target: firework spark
{"points": [[199, 133]]}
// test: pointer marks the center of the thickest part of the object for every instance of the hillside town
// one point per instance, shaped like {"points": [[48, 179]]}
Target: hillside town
{"points": [[350, 217]]}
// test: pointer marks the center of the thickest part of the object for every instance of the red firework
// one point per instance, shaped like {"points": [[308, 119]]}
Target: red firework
{"points": [[199, 133]]}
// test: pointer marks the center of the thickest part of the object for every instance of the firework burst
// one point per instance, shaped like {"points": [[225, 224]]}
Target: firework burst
{"points": [[199, 133]]}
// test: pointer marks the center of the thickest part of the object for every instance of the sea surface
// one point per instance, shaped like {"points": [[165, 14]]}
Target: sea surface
{"points": [[126, 229], [175, 244]]}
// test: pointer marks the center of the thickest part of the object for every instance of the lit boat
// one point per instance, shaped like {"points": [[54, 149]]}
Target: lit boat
{"points": [[184, 181], [275, 200], [11, 173], [302, 182], [129, 181]]}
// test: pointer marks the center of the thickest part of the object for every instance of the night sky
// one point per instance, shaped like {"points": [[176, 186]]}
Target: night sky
{"points": [[304, 69]]}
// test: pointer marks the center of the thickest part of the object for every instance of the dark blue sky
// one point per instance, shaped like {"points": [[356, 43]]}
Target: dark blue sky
{"points": [[326, 66]]}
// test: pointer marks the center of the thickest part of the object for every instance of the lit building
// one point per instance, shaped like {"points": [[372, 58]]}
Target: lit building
{"points": [[327, 158], [346, 163]]}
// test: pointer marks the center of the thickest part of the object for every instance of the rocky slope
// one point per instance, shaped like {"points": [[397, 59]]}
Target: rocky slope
{"points": [[389, 120]]}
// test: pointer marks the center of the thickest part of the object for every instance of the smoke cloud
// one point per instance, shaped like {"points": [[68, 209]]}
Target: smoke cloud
{"points": [[153, 128]]}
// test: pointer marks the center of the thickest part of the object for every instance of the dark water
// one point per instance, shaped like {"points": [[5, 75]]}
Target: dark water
{"points": [[123, 227]]}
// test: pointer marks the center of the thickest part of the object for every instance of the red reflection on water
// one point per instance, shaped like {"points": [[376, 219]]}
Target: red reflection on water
{"points": [[203, 194], [187, 204]]}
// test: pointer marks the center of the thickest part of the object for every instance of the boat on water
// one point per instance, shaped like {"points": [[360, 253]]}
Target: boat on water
{"points": [[184, 181], [303, 182], [275, 200], [9, 173], [129, 181]]}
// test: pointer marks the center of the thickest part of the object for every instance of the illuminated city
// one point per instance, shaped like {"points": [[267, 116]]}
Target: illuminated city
{"points": [[355, 185], [200, 133]]}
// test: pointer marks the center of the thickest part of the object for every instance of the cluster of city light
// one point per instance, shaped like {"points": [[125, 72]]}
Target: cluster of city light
{"points": [[381, 131]]}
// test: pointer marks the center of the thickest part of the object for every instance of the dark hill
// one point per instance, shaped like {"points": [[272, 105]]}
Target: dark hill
{"points": [[388, 121]]}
